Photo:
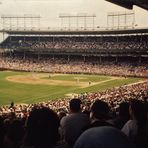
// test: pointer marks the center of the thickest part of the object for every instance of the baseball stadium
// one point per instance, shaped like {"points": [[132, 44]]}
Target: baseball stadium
{"points": [[39, 66], [61, 69]]}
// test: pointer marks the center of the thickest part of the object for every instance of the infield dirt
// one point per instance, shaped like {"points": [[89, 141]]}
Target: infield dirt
{"points": [[39, 79]]}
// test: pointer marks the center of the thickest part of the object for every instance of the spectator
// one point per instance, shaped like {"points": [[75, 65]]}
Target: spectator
{"points": [[14, 134], [103, 137], [73, 124], [42, 129], [99, 114], [123, 116], [137, 128]]}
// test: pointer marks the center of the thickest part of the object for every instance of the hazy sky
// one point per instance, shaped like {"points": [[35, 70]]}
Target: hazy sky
{"points": [[49, 10]]}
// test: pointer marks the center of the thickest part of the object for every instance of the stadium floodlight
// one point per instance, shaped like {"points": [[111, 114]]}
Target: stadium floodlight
{"points": [[79, 21], [19, 22], [121, 20]]}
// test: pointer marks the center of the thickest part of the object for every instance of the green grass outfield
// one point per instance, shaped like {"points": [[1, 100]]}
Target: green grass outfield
{"points": [[22, 92]]}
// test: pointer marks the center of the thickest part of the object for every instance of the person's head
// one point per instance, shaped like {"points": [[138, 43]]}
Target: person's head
{"points": [[61, 114], [138, 112], [137, 109], [75, 105], [103, 137], [42, 128], [124, 109], [99, 110], [15, 133], [12, 115]]}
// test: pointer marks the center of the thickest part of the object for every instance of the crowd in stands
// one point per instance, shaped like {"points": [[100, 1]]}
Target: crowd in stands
{"points": [[63, 66], [113, 118], [92, 44]]}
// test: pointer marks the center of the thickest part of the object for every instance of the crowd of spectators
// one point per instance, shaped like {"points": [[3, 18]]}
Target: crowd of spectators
{"points": [[64, 66], [59, 123], [91, 44]]}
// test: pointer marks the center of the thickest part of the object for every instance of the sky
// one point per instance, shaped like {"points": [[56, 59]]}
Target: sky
{"points": [[49, 10]]}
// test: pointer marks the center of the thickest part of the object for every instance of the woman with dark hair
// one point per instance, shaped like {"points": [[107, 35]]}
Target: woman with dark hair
{"points": [[123, 115], [137, 128], [42, 129]]}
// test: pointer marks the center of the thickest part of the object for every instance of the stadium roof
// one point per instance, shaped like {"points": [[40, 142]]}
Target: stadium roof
{"points": [[102, 32], [129, 3]]}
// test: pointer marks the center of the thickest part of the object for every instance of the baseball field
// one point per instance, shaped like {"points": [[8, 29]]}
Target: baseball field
{"points": [[28, 87]]}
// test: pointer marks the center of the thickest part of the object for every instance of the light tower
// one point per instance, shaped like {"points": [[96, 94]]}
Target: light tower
{"points": [[121, 20], [81, 21], [20, 22]]}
